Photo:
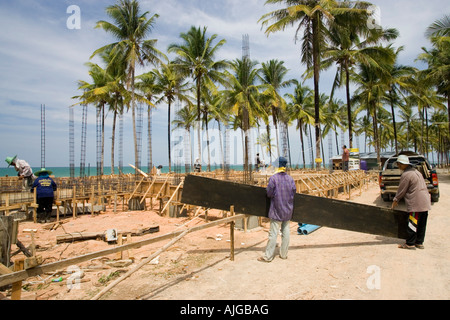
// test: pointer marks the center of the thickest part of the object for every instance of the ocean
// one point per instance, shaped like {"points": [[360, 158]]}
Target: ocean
{"points": [[61, 172]]}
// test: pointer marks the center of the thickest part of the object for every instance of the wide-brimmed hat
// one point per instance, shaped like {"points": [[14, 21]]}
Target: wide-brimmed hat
{"points": [[403, 159], [43, 171], [10, 160]]}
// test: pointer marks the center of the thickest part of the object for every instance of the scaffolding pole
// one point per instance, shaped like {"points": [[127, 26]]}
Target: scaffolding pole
{"points": [[42, 135]]}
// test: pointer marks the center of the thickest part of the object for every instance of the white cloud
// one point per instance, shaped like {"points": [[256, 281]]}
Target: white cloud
{"points": [[41, 60]]}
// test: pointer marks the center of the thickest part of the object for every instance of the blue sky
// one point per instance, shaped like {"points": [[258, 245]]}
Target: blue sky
{"points": [[41, 61]]}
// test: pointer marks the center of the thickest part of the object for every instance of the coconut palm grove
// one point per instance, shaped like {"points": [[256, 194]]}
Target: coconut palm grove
{"points": [[392, 107]]}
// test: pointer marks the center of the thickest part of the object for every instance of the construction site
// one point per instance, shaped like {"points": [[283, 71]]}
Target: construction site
{"points": [[109, 224], [129, 237]]}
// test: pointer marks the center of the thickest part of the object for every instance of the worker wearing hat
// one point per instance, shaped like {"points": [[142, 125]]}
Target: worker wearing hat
{"points": [[414, 190], [23, 169], [45, 187], [281, 190]]}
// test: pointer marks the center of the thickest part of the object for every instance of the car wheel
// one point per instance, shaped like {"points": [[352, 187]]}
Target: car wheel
{"points": [[435, 197]]}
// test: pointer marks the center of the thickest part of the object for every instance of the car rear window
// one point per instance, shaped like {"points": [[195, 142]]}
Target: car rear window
{"points": [[415, 161]]}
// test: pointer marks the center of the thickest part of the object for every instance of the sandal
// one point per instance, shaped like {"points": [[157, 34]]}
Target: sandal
{"points": [[405, 246], [261, 259], [420, 246]]}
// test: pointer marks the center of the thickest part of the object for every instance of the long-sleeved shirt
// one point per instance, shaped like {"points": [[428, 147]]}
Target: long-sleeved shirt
{"points": [[414, 190], [44, 187], [281, 190], [23, 168]]}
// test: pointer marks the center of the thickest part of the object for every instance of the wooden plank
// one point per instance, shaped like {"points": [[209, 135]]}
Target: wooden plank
{"points": [[22, 275], [331, 213], [81, 236], [171, 198], [6, 231], [4, 269]]}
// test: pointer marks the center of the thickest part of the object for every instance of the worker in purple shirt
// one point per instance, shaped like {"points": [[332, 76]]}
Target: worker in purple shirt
{"points": [[281, 190]]}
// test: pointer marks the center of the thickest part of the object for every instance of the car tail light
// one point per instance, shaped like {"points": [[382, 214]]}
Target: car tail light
{"points": [[435, 179], [380, 180]]}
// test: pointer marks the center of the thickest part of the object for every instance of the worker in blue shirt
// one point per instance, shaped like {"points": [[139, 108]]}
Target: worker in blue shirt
{"points": [[45, 187]]}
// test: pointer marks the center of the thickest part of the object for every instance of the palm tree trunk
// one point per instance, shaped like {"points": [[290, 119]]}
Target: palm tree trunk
{"points": [[316, 65], [221, 146], [275, 123], [270, 146], [149, 131], [448, 110], [300, 126], [113, 139], [349, 107], [168, 136], [207, 142], [376, 136], [103, 140], [426, 130], [393, 121], [133, 118], [199, 118]]}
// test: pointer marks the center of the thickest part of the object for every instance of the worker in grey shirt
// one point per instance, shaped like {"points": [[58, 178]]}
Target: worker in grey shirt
{"points": [[23, 169], [414, 190]]}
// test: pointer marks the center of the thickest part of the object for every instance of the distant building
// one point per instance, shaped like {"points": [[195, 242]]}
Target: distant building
{"points": [[363, 161]]}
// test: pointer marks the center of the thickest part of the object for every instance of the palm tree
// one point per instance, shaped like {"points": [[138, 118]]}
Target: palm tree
{"points": [[309, 15], [149, 89], [351, 41], [172, 86], [196, 58], [438, 58], [94, 93], [130, 27], [212, 100], [266, 144], [396, 83], [439, 28], [272, 75], [425, 97], [241, 98], [297, 111], [185, 119], [368, 95], [118, 96]]}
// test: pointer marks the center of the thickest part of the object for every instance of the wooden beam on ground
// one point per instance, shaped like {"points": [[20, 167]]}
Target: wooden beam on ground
{"points": [[22, 275], [80, 236]]}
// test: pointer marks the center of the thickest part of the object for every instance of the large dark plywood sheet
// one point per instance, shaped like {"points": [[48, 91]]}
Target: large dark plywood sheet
{"points": [[336, 214]]}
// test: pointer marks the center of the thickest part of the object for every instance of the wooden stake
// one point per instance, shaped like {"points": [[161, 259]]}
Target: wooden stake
{"points": [[232, 224], [17, 286]]}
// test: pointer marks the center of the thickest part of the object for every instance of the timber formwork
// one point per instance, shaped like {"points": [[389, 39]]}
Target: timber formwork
{"points": [[132, 192]]}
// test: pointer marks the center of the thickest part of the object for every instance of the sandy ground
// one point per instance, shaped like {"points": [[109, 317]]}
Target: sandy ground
{"points": [[328, 264]]}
